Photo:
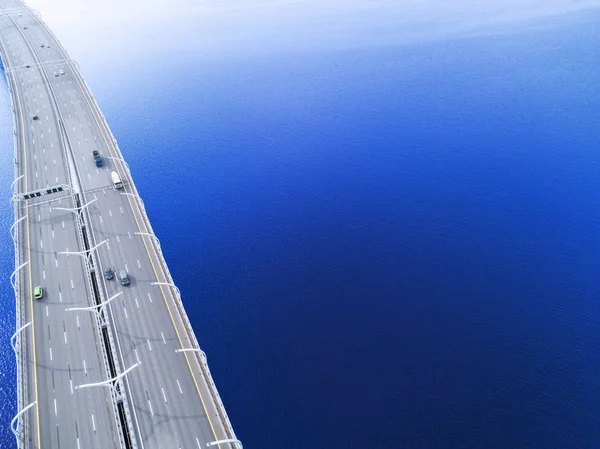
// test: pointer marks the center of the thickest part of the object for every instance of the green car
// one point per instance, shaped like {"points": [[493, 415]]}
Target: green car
{"points": [[38, 292]]}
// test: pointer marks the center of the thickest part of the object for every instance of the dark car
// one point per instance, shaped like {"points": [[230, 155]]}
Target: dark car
{"points": [[108, 274]]}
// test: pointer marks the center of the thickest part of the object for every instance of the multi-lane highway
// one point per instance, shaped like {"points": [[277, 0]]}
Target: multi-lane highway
{"points": [[99, 364]]}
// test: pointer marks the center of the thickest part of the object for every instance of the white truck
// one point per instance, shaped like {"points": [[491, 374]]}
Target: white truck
{"points": [[116, 180]]}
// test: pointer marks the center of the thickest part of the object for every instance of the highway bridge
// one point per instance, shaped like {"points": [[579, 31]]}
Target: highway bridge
{"points": [[99, 364]]}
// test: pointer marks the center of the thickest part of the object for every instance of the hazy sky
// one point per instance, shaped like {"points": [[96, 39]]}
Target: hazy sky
{"points": [[222, 27]]}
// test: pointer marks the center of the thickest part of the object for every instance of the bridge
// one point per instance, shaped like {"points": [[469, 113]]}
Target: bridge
{"points": [[99, 364]]}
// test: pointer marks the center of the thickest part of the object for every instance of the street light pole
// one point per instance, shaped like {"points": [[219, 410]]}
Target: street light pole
{"points": [[97, 308], [120, 160], [168, 284], [202, 353], [85, 252], [76, 210], [15, 431], [15, 181], [149, 235], [110, 382], [14, 224], [13, 339], [12, 276], [135, 196], [238, 443]]}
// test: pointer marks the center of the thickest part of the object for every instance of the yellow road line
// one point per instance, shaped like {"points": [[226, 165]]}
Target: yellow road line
{"points": [[37, 407], [153, 268]]}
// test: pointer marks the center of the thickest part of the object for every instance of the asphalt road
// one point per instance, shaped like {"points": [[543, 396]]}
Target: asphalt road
{"points": [[168, 393]]}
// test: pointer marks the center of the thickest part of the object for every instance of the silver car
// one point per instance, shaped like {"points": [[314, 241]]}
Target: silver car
{"points": [[123, 277]]}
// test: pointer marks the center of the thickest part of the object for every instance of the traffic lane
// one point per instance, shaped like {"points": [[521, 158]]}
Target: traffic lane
{"points": [[54, 361], [11, 41], [202, 382], [83, 140], [44, 146], [43, 43], [70, 347], [151, 328], [39, 181], [30, 394], [41, 248], [88, 114], [43, 93], [158, 385], [80, 348], [148, 329], [161, 387], [91, 177], [200, 378], [74, 280], [73, 239], [85, 137]]}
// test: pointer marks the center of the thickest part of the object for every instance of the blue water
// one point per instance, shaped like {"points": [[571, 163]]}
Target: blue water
{"points": [[391, 246], [8, 397]]}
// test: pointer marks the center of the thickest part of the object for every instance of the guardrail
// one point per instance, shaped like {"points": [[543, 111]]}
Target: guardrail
{"points": [[20, 310]]}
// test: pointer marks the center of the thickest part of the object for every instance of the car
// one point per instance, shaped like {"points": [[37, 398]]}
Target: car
{"points": [[108, 274], [24, 28], [55, 73], [35, 117], [42, 45], [123, 277], [62, 72], [38, 292]]}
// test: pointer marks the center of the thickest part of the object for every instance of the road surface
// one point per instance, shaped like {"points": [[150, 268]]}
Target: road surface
{"points": [[71, 224]]}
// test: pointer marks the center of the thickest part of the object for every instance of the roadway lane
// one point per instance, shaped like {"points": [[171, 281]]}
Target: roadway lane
{"points": [[66, 345], [146, 333]]}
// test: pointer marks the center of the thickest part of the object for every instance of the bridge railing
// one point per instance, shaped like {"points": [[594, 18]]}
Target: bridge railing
{"points": [[17, 281]]}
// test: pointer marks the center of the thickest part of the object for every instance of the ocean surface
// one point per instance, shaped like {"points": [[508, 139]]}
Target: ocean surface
{"points": [[388, 244]]}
